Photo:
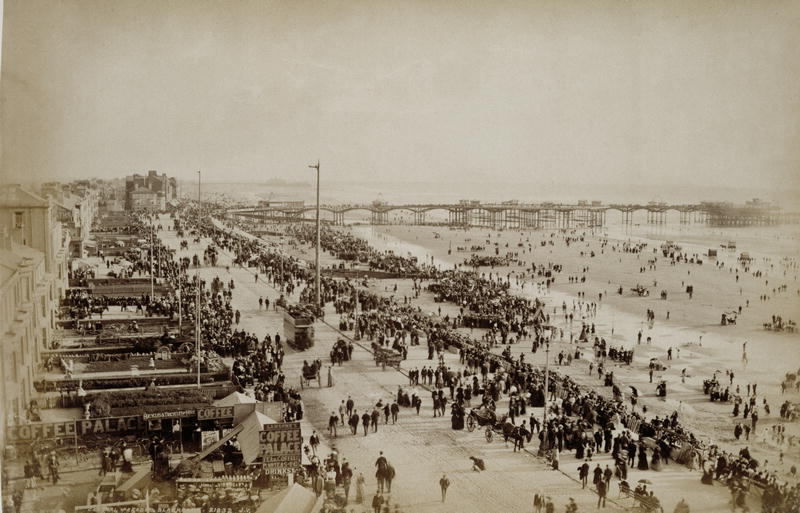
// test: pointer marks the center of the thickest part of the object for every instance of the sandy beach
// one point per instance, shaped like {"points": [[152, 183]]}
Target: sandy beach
{"points": [[700, 344]]}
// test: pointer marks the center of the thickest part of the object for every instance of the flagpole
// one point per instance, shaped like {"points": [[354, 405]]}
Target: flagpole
{"points": [[197, 287], [180, 312], [151, 260], [317, 307]]}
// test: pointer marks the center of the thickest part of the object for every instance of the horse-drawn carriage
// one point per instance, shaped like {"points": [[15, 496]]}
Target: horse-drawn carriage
{"points": [[641, 291], [310, 372], [386, 356], [486, 417], [728, 318]]}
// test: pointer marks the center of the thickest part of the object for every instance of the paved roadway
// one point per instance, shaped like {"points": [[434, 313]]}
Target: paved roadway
{"points": [[421, 447]]}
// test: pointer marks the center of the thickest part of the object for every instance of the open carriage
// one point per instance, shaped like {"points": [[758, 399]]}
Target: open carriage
{"points": [[487, 418], [309, 373], [729, 318], [385, 356]]}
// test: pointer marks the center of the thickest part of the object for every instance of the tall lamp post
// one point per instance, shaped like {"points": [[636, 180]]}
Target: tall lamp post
{"points": [[152, 241], [197, 288], [544, 444], [316, 250]]}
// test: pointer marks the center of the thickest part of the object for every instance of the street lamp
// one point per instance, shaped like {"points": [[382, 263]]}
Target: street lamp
{"points": [[152, 241], [316, 250], [542, 447], [197, 286]]}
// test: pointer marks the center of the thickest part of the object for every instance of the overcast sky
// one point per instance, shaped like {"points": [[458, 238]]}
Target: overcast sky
{"points": [[605, 91]]}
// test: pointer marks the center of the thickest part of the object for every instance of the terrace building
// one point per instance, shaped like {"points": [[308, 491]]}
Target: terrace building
{"points": [[33, 278], [76, 207]]}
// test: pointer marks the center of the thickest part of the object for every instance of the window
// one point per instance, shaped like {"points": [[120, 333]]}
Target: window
{"points": [[19, 220]]}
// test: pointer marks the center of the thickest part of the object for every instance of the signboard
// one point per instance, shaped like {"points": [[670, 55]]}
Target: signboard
{"points": [[42, 431], [109, 425], [209, 438], [210, 484], [281, 447], [169, 414], [48, 430], [168, 507], [279, 471], [115, 425], [219, 412]]}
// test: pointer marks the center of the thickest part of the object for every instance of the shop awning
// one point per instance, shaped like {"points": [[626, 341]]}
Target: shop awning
{"points": [[295, 499], [234, 399], [250, 437]]}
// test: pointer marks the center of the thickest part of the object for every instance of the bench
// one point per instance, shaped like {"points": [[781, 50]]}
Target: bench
{"points": [[643, 502], [647, 503]]}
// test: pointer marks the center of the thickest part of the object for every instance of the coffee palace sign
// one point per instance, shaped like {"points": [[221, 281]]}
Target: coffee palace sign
{"points": [[116, 425]]}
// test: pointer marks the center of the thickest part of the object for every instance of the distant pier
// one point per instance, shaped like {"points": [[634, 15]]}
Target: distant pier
{"points": [[519, 216]]}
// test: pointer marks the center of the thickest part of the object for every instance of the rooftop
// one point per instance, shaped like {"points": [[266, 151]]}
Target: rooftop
{"points": [[15, 196], [13, 259], [9, 262]]}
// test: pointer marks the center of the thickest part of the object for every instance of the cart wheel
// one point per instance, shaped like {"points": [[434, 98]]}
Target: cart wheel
{"points": [[489, 435], [470, 423]]}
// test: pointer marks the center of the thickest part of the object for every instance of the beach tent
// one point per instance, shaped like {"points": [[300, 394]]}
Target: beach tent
{"points": [[294, 499], [249, 438], [234, 399]]}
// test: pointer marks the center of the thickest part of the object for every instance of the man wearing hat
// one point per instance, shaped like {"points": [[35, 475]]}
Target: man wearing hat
{"points": [[346, 476]]}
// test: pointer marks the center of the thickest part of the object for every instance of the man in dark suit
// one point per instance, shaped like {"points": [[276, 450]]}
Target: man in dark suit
{"points": [[602, 490], [631, 453], [583, 473], [365, 422]]}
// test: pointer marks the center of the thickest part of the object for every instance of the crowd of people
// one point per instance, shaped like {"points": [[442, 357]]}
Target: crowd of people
{"points": [[489, 375]]}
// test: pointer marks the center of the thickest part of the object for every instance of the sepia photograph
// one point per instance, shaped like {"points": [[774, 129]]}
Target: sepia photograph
{"points": [[372, 256]]}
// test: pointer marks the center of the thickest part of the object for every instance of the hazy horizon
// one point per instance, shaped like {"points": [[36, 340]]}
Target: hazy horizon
{"points": [[554, 94]]}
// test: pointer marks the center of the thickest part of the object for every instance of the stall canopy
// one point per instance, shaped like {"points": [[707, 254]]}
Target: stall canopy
{"points": [[234, 399], [295, 499], [250, 438]]}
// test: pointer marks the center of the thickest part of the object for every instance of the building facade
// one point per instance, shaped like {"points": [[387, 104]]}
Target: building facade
{"points": [[149, 192], [76, 205], [33, 260]]}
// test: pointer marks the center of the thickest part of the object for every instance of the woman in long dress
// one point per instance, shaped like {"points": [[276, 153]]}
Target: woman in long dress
{"points": [[642, 455], [655, 462], [360, 488]]}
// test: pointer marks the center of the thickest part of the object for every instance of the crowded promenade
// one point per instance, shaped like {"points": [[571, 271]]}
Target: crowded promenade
{"points": [[672, 433]]}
